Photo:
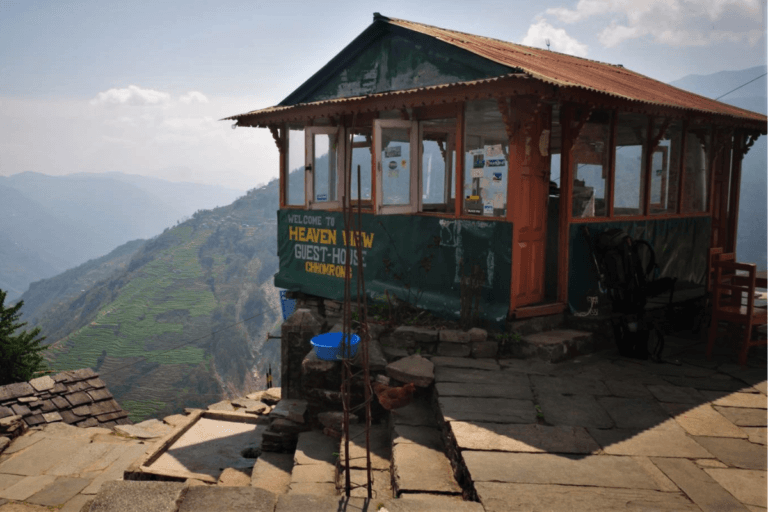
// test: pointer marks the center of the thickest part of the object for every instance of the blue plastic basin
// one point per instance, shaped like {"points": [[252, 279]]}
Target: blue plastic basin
{"points": [[328, 346]]}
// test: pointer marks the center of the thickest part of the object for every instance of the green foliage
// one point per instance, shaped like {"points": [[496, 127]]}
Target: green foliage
{"points": [[20, 357]]}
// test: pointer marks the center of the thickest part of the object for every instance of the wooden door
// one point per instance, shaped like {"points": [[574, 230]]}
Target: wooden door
{"points": [[528, 195]]}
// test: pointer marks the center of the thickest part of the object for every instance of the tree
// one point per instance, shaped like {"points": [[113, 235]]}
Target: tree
{"points": [[20, 357]]}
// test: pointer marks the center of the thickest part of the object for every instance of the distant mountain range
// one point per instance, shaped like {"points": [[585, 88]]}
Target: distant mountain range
{"points": [[176, 321], [751, 241], [49, 224]]}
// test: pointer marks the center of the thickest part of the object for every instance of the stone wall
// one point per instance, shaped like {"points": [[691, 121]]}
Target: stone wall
{"points": [[76, 397]]}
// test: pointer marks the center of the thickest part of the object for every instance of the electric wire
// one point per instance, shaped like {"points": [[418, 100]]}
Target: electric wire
{"points": [[742, 85]]}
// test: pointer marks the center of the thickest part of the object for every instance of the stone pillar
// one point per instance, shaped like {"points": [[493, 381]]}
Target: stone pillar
{"points": [[296, 332]]}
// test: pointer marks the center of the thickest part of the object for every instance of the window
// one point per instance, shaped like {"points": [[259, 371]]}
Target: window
{"points": [[294, 193], [695, 182], [591, 152], [665, 169], [486, 160], [438, 165], [629, 181], [396, 150], [361, 161], [323, 165]]}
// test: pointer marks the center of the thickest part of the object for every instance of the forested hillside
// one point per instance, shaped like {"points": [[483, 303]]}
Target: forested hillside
{"points": [[184, 323]]}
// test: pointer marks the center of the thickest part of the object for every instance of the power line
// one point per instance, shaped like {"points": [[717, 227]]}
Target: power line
{"points": [[742, 85]]}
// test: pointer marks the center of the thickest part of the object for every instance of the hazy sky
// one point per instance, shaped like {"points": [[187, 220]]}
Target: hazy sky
{"points": [[139, 87]]}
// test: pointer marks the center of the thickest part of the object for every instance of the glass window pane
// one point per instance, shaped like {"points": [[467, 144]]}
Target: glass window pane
{"points": [[437, 155], [361, 158], [396, 166], [295, 184], [629, 184], [696, 172], [324, 165], [665, 169], [486, 153], [590, 166]]}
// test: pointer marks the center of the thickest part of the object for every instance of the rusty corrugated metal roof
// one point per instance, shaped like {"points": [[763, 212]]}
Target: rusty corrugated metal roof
{"points": [[561, 70], [569, 71]]}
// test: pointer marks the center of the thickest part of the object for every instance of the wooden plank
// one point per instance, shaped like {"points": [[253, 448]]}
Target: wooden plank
{"points": [[543, 310]]}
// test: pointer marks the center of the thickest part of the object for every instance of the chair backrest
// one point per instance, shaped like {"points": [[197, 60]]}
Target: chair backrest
{"points": [[717, 254], [733, 288]]}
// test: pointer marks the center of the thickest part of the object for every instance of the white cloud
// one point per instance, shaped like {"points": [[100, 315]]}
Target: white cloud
{"points": [[672, 22], [137, 138], [193, 96], [131, 95], [560, 41]]}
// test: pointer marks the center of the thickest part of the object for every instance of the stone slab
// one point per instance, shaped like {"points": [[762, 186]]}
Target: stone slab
{"points": [[503, 497], [381, 483], [142, 433], [39, 457], [9, 480], [521, 389], [465, 362], [116, 470], [24, 441], [26, 487], [676, 394], [528, 366], [744, 417], [417, 468], [756, 435], [313, 488], [144, 496], [15, 390], [291, 409], [498, 410], [718, 382], [738, 453], [453, 349], [477, 376], [667, 439], [749, 487], [418, 412], [314, 473], [294, 502], [547, 468], [628, 389], [80, 460], [380, 447], [522, 438], [315, 448], [633, 413], [424, 436], [272, 472], [79, 503], [250, 499], [431, 503], [59, 492], [745, 400], [414, 369], [574, 411], [234, 477], [698, 485], [703, 420], [570, 385]]}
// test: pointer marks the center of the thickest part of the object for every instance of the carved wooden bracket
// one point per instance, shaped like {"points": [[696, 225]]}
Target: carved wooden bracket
{"points": [[276, 135], [506, 116], [749, 142], [581, 121], [662, 132]]}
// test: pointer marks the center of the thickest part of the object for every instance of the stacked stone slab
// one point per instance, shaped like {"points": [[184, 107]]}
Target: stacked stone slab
{"points": [[76, 397]]}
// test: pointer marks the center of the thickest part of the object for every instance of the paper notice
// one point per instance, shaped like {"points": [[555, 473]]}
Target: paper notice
{"points": [[477, 173], [498, 200], [493, 150]]}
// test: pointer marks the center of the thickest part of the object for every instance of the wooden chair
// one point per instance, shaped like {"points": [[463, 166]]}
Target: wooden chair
{"points": [[733, 301], [717, 254]]}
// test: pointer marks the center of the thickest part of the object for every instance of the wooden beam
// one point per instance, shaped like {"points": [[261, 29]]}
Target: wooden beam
{"points": [[645, 205], [566, 186], [458, 200], [611, 177], [283, 166], [681, 175], [654, 142]]}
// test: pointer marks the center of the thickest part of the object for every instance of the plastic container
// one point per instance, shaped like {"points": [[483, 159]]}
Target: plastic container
{"points": [[328, 346]]}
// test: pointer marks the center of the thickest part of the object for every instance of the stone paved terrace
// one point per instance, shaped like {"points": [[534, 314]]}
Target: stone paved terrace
{"points": [[596, 433]]}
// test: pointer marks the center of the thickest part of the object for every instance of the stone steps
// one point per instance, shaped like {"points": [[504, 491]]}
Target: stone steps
{"points": [[556, 345], [314, 465], [419, 463]]}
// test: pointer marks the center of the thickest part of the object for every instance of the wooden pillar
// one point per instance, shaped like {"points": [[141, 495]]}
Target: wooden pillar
{"points": [[566, 186], [733, 204], [458, 204]]}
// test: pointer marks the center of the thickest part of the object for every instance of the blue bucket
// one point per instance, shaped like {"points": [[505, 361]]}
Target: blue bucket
{"points": [[328, 346]]}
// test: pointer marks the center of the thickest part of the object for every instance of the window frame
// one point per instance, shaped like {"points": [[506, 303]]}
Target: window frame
{"points": [[414, 154], [309, 183]]}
